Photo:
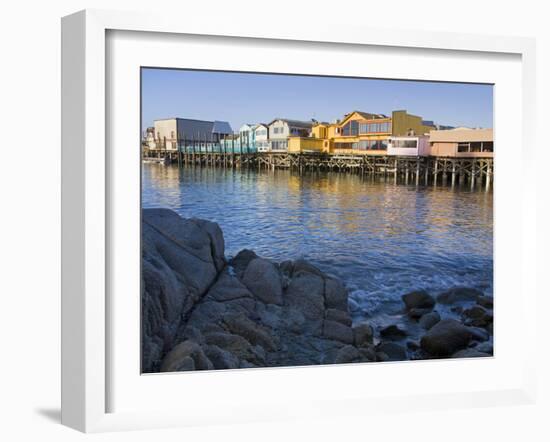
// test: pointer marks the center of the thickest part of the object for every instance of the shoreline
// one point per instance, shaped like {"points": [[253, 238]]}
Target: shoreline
{"points": [[202, 311]]}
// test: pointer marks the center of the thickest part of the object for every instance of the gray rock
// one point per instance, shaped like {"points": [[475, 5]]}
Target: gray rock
{"points": [[477, 316], [336, 295], [485, 301], [241, 260], [340, 316], [337, 331], [485, 347], [416, 313], [251, 331], [429, 320], [479, 334], [458, 294], [393, 332], [263, 280], [347, 354], [221, 359], [445, 338], [180, 261], [305, 292], [363, 335], [418, 299], [470, 353], [178, 358], [394, 351]]}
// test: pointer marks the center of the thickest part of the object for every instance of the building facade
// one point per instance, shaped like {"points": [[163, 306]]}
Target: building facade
{"points": [[409, 146], [187, 133], [462, 143], [280, 129], [360, 133], [261, 134]]}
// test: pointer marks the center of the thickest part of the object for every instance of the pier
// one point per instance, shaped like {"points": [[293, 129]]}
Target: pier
{"points": [[476, 171]]}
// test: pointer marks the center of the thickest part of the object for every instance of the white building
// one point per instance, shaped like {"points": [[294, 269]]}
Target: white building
{"points": [[261, 133], [280, 129], [410, 146]]}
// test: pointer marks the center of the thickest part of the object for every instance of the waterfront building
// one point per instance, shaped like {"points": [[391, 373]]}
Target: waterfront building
{"points": [[409, 146], [360, 133], [247, 135], [462, 142], [280, 129], [170, 133], [261, 135]]}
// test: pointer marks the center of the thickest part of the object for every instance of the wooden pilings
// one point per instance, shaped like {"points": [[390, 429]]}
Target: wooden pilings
{"points": [[477, 172]]}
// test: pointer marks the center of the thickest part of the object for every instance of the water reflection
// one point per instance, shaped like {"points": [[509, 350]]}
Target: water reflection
{"points": [[382, 239]]}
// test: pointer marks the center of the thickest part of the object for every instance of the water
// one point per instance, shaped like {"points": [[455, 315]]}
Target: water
{"points": [[382, 239]]}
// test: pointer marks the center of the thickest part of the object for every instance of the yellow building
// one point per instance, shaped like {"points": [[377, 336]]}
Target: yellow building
{"points": [[359, 133]]}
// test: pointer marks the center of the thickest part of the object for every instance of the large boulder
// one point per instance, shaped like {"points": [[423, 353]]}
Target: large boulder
{"points": [[363, 335], [306, 293], [445, 338], [181, 259], [337, 331], [428, 320], [263, 280], [419, 299], [477, 316], [187, 355], [241, 260], [394, 351], [458, 294], [393, 333]]}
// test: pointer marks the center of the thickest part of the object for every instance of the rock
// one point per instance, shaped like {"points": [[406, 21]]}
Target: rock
{"points": [[251, 331], [262, 278], [234, 344], [338, 315], [445, 338], [336, 295], [470, 353], [395, 352], [363, 335], [368, 353], [418, 299], [485, 347], [337, 331], [241, 260], [485, 301], [393, 332], [429, 320], [181, 259], [221, 359], [479, 334], [458, 294], [301, 265], [347, 354], [411, 345], [305, 292], [416, 313], [179, 357], [477, 316]]}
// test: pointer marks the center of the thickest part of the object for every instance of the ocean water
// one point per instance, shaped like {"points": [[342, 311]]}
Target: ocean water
{"points": [[382, 239]]}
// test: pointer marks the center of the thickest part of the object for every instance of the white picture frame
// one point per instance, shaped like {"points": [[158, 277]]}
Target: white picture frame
{"points": [[87, 216]]}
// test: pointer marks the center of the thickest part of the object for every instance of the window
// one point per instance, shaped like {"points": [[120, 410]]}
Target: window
{"points": [[405, 144], [475, 147], [463, 147], [487, 146]]}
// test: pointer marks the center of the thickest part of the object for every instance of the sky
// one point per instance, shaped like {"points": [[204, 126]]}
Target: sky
{"points": [[241, 98]]}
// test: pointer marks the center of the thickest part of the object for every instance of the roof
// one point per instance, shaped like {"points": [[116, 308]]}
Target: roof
{"points": [[365, 115], [295, 123], [460, 135], [221, 127]]}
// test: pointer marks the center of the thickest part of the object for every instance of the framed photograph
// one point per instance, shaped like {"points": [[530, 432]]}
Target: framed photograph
{"points": [[292, 222]]}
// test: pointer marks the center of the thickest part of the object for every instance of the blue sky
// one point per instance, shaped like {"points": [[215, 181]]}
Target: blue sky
{"points": [[252, 98]]}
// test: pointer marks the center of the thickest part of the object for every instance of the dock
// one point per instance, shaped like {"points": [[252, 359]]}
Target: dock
{"points": [[474, 171]]}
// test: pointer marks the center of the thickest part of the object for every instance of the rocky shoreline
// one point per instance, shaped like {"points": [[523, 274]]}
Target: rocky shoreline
{"points": [[203, 312]]}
